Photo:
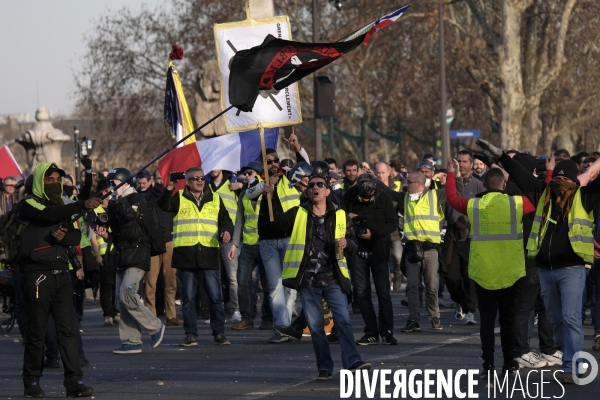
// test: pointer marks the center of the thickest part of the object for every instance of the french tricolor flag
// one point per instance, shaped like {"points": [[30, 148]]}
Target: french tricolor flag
{"points": [[228, 152]]}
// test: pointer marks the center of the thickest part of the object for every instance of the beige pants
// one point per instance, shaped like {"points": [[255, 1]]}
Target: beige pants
{"points": [[170, 282]]}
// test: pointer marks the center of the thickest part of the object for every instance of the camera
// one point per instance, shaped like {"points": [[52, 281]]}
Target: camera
{"points": [[176, 176], [359, 224], [101, 220], [73, 258]]}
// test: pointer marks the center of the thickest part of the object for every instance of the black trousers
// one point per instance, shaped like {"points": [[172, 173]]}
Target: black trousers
{"points": [[530, 301], [491, 303], [52, 346], [460, 286], [108, 300], [20, 307], [54, 296], [361, 270]]}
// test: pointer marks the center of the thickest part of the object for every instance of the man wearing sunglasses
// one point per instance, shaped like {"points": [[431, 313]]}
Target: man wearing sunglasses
{"points": [[427, 168], [273, 242], [315, 267], [201, 219], [8, 197]]}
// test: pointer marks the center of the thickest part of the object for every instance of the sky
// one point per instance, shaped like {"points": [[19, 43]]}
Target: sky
{"points": [[42, 46]]}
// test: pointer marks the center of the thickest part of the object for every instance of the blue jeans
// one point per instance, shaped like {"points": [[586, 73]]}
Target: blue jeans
{"points": [[212, 285], [248, 260], [313, 310], [272, 252], [562, 291]]}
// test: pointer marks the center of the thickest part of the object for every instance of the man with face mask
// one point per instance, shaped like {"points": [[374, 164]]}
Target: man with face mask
{"points": [[48, 285], [561, 242], [427, 168]]}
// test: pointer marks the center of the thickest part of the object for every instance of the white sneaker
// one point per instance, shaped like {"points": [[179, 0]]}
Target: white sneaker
{"points": [[206, 321], [236, 317], [553, 359], [108, 320], [458, 314], [531, 360], [177, 302], [470, 319]]}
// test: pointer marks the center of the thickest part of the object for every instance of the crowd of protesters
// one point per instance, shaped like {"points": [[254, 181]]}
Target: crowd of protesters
{"points": [[323, 233]]}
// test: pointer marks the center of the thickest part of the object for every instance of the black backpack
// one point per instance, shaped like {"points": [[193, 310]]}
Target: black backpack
{"points": [[10, 229], [149, 217]]}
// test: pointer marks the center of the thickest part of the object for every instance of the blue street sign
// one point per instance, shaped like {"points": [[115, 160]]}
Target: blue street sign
{"points": [[465, 134]]}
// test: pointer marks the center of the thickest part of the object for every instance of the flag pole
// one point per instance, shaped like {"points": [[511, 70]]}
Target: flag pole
{"points": [[158, 157], [266, 169]]}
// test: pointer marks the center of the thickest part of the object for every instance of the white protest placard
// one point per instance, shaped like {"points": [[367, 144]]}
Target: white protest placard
{"points": [[272, 108]]}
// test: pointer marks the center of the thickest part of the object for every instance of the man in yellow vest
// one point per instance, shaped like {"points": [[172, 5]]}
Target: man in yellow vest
{"points": [[561, 241], [421, 208], [273, 242], [200, 220], [245, 236], [315, 267], [496, 236], [220, 183]]}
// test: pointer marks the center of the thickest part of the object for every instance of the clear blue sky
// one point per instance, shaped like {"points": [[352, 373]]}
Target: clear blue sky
{"points": [[42, 45]]}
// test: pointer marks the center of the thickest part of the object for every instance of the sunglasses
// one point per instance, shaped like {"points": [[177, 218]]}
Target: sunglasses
{"points": [[197, 178], [317, 184], [247, 173], [275, 160], [7, 185]]}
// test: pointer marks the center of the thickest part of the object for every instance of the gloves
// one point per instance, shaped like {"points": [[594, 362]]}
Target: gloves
{"points": [[86, 162], [487, 146], [484, 159]]}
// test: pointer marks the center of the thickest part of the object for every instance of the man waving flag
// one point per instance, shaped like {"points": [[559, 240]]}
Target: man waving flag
{"points": [[278, 63]]}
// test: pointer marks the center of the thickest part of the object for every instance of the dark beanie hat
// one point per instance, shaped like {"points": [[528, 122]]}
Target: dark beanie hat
{"points": [[566, 168], [526, 160]]}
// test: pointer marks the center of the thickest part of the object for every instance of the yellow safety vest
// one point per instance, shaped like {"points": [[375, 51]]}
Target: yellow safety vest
{"points": [[229, 199], [288, 196], [581, 226], [192, 227], [496, 236], [296, 246], [250, 231], [397, 186], [102, 245], [422, 218]]}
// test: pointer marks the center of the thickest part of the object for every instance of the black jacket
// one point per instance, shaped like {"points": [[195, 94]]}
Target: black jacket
{"points": [[382, 220], [131, 242], [198, 256], [152, 195], [285, 222], [39, 250], [555, 250]]}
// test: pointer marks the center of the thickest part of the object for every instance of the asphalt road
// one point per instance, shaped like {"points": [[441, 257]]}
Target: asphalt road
{"points": [[253, 369]]}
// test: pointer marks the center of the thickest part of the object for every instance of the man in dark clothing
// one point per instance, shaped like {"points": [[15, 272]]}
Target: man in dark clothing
{"points": [[561, 241], [48, 286], [200, 219], [132, 255], [531, 298], [374, 211]]}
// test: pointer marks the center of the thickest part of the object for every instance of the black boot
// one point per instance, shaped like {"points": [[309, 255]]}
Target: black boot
{"points": [[80, 390], [33, 389]]}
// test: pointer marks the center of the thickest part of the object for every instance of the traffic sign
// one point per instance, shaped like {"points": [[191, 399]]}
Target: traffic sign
{"points": [[465, 134]]}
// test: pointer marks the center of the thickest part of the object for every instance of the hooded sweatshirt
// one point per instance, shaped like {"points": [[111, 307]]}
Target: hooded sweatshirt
{"points": [[39, 249]]}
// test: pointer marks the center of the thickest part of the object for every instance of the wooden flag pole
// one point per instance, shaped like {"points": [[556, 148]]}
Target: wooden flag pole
{"points": [[266, 170], [248, 10]]}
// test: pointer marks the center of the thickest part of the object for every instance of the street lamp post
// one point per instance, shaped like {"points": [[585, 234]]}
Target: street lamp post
{"points": [[444, 126], [76, 150]]}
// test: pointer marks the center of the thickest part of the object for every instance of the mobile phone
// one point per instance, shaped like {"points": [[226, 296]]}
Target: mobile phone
{"points": [[175, 176]]}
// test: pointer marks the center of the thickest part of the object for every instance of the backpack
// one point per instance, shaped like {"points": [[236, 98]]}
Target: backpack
{"points": [[149, 217], [10, 229]]}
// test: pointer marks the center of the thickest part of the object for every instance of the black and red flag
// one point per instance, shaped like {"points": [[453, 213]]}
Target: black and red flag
{"points": [[278, 63]]}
